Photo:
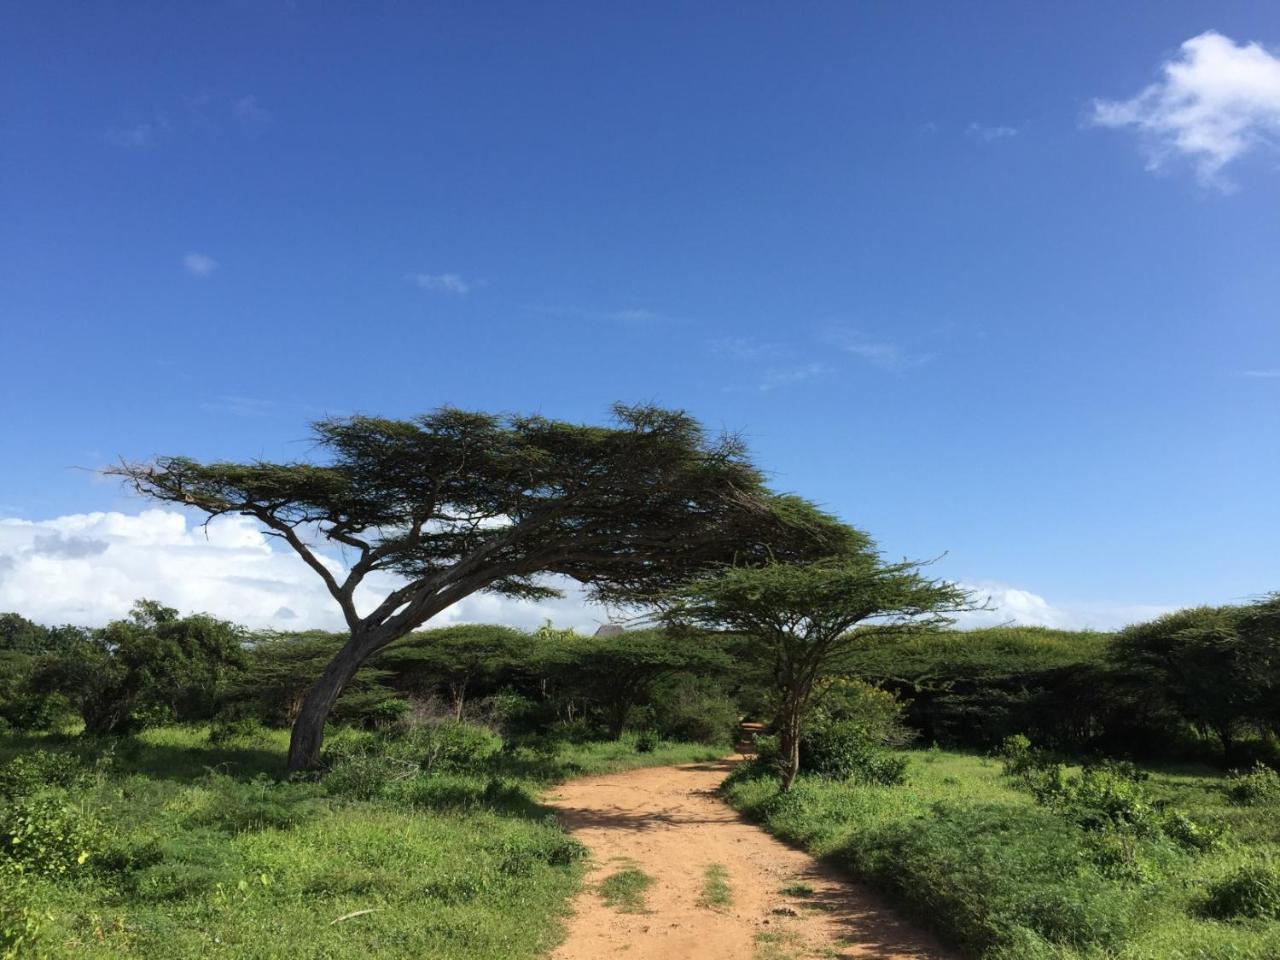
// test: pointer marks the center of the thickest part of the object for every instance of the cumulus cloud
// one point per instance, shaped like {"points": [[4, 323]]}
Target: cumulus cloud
{"points": [[1216, 101], [199, 264], [89, 568], [1009, 604], [442, 283]]}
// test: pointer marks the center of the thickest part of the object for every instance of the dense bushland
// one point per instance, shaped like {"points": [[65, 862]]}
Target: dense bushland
{"points": [[1193, 684]]}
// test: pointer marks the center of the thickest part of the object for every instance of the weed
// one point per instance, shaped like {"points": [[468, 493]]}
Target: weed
{"points": [[624, 890]]}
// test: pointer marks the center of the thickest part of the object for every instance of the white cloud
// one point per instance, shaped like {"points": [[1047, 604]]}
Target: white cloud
{"points": [[1017, 606], [789, 375], [442, 282], [1264, 374], [880, 353], [987, 133], [1216, 101], [199, 264], [90, 568]]}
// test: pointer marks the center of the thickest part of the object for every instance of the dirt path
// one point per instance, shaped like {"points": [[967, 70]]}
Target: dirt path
{"points": [[668, 823]]}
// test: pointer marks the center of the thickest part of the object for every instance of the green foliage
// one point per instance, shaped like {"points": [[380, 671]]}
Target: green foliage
{"points": [[46, 834], [31, 771], [694, 709], [199, 851], [152, 665], [1251, 892], [798, 620], [281, 667], [458, 662], [880, 715], [842, 749], [647, 741], [1109, 798], [611, 675], [1260, 785], [969, 853]]}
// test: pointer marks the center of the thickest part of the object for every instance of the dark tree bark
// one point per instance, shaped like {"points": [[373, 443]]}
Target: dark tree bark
{"points": [[308, 728]]}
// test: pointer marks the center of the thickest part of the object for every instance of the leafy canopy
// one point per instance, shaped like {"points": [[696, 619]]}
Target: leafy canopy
{"points": [[456, 501]]}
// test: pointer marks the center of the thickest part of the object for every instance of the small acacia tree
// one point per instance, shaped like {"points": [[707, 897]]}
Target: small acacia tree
{"points": [[457, 658], [454, 502], [617, 672], [799, 619]]}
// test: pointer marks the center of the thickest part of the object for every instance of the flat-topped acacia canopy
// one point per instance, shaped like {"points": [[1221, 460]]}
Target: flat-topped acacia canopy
{"points": [[454, 502]]}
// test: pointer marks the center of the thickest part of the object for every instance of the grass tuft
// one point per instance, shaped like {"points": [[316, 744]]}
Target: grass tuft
{"points": [[624, 890], [715, 887]]}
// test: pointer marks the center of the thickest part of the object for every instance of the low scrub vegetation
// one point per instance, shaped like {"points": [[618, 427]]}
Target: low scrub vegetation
{"points": [[1025, 858], [419, 840]]}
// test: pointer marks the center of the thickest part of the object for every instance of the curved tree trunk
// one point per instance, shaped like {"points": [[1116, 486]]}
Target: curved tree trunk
{"points": [[308, 728]]}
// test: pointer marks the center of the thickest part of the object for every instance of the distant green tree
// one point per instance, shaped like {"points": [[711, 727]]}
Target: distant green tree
{"points": [[1216, 667], [613, 674], [457, 659], [800, 619], [152, 662], [281, 667], [454, 502]]}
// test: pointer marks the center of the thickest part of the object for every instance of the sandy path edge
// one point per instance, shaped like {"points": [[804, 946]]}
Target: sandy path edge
{"points": [[670, 823]]}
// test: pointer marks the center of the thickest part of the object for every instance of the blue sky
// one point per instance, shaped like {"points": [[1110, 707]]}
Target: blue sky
{"points": [[999, 281]]}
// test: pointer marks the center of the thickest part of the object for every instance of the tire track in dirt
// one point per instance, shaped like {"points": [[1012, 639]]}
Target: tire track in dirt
{"points": [[669, 823]]}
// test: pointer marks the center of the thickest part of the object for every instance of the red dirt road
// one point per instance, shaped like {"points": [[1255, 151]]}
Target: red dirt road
{"points": [[669, 823]]}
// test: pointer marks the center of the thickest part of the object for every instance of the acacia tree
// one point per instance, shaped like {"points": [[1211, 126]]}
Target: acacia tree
{"points": [[799, 619], [453, 502], [457, 658], [618, 672]]}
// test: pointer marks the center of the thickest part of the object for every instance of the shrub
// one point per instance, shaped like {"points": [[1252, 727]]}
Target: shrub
{"points": [[20, 926], [34, 770], [878, 713], [1249, 892], [695, 710], [230, 729], [1256, 786], [842, 750], [45, 834], [647, 741], [451, 745]]}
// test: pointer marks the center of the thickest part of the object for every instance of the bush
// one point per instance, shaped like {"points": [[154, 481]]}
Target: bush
{"points": [[45, 834], [879, 714], [34, 770], [695, 710], [647, 741], [20, 927], [1259, 785], [451, 745], [1250, 892], [230, 729], [843, 751]]}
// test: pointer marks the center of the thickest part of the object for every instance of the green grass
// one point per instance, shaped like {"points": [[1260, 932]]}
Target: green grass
{"points": [[1002, 877], [195, 851], [624, 890], [716, 891]]}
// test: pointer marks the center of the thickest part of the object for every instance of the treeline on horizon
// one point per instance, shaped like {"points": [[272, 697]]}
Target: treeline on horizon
{"points": [[1201, 683]]}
